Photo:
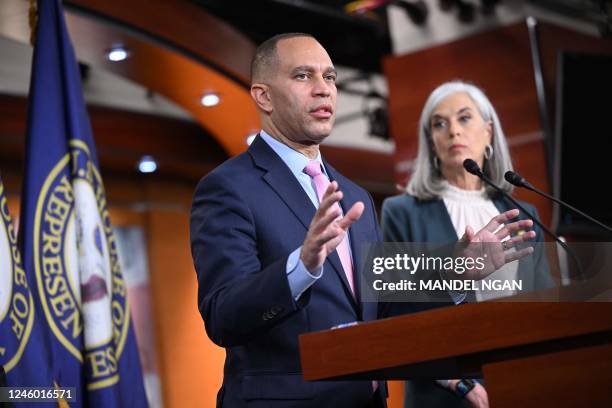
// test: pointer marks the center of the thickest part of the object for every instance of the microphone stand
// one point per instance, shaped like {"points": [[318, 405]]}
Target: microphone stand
{"points": [[472, 167], [513, 178]]}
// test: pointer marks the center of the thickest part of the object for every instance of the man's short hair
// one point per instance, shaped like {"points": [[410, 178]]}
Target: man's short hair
{"points": [[266, 57]]}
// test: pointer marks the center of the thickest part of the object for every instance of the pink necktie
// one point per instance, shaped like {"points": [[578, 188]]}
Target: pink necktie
{"points": [[313, 169]]}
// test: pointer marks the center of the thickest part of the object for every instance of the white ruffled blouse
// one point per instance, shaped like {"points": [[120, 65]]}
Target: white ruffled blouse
{"points": [[475, 208]]}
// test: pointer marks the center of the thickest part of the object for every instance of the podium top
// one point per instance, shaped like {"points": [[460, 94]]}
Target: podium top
{"points": [[454, 341]]}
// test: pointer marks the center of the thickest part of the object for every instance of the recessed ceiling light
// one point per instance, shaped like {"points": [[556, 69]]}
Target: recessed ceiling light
{"points": [[250, 138], [210, 99], [147, 164], [117, 54]]}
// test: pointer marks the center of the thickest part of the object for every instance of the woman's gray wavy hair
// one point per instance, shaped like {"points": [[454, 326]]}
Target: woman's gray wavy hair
{"points": [[426, 182]]}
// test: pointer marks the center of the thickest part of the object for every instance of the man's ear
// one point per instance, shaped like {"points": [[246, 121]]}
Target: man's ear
{"points": [[261, 95]]}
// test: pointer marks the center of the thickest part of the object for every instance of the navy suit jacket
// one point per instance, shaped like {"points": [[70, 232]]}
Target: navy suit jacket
{"points": [[248, 215]]}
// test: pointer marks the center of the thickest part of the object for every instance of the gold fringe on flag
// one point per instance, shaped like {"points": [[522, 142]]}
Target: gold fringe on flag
{"points": [[61, 402]]}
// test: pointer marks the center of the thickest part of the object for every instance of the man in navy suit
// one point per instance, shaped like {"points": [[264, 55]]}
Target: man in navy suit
{"points": [[276, 236], [264, 242]]}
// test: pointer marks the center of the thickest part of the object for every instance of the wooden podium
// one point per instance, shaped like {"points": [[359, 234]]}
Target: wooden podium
{"points": [[531, 354]]}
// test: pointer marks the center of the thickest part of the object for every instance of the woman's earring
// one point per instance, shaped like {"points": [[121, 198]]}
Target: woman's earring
{"points": [[488, 153], [436, 163]]}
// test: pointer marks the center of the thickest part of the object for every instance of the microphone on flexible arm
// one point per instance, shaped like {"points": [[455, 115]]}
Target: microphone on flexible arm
{"points": [[514, 179], [473, 168]]}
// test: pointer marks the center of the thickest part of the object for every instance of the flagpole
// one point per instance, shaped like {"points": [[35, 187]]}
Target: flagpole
{"points": [[33, 21]]}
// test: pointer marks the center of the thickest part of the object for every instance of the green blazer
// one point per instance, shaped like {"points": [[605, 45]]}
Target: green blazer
{"points": [[408, 219]]}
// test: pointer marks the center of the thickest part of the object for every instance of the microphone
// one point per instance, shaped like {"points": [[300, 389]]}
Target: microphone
{"points": [[473, 168], [513, 178]]}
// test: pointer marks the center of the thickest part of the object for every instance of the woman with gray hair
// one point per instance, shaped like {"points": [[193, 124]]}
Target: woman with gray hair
{"points": [[443, 201]]}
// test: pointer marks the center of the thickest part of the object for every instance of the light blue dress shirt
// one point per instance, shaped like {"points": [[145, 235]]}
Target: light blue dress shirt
{"points": [[299, 277]]}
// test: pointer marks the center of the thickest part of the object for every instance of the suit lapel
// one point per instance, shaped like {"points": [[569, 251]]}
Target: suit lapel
{"points": [[446, 230], [278, 176], [355, 236], [282, 181]]}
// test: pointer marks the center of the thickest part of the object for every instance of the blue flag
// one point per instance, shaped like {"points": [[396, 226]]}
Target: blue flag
{"points": [[68, 246], [23, 343]]}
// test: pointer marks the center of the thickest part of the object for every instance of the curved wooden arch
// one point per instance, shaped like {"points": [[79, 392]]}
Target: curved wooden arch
{"points": [[182, 25], [172, 74], [176, 50]]}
